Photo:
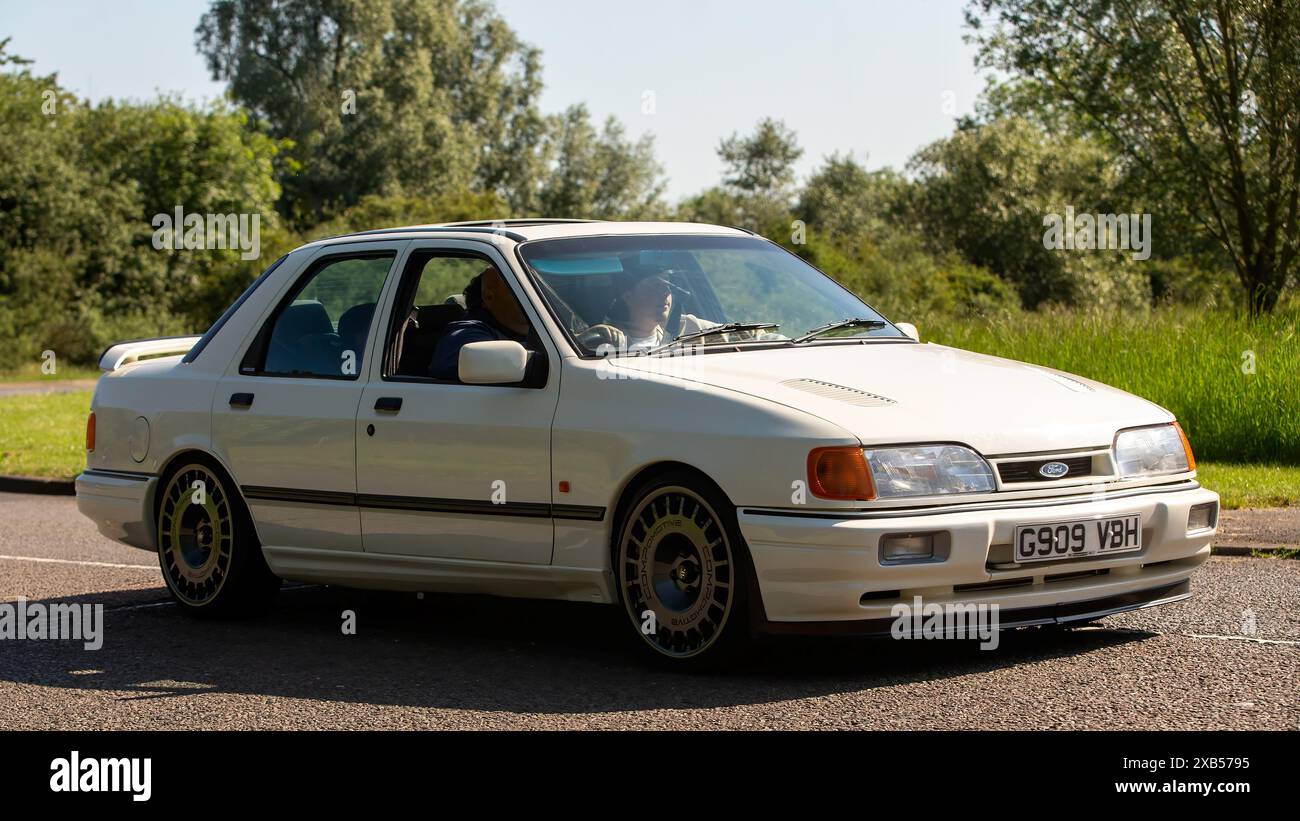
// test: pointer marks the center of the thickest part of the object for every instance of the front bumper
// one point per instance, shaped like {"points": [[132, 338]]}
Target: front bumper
{"points": [[821, 572], [120, 504]]}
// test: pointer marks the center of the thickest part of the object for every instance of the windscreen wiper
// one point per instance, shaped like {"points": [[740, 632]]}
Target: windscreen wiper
{"points": [[856, 322], [724, 328]]}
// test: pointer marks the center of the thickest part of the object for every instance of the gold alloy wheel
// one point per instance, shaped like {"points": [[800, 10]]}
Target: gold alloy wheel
{"points": [[676, 572], [195, 535]]}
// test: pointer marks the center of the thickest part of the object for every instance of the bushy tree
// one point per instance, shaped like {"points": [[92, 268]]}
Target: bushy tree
{"points": [[758, 181], [1201, 96], [599, 174], [842, 198], [416, 98], [986, 190], [79, 187]]}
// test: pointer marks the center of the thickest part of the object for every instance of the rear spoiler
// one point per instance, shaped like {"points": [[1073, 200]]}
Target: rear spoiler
{"points": [[124, 353]]}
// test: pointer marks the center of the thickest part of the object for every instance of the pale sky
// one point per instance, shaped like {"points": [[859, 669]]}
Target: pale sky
{"points": [[880, 78]]}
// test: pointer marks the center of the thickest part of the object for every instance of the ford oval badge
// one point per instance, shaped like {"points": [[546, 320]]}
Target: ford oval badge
{"points": [[1053, 470]]}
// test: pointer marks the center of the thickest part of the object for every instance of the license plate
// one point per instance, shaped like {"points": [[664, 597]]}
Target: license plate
{"points": [[1089, 537]]}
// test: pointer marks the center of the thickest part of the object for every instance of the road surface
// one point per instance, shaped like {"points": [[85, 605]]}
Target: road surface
{"points": [[477, 662]]}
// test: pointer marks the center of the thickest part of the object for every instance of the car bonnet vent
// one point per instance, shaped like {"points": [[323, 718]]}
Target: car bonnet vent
{"points": [[840, 393], [1065, 381]]}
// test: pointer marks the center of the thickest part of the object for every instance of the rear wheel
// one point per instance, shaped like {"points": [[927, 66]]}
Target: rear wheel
{"points": [[683, 573], [207, 548]]}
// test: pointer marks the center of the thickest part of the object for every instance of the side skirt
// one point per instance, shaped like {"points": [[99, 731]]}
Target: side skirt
{"points": [[379, 571]]}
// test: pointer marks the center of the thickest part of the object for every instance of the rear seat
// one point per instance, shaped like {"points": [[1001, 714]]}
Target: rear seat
{"points": [[420, 336]]}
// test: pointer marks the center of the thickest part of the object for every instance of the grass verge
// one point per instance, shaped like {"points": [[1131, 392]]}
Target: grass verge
{"points": [[32, 373], [44, 434]]}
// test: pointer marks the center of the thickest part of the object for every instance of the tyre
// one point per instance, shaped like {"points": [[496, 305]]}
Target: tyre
{"points": [[207, 547], [683, 573]]}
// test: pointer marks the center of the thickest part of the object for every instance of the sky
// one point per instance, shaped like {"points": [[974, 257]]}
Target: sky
{"points": [[878, 78]]}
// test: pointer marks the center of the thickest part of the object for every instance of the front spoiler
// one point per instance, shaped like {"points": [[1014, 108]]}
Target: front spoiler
{"points": [[1064, 613]]}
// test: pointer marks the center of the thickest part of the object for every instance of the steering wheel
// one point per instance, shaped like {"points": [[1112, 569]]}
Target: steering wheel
{"points": [[604, 334]]}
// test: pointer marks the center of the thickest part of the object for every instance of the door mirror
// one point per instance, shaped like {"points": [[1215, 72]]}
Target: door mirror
{"points": [[909, 329], [501, 362]]}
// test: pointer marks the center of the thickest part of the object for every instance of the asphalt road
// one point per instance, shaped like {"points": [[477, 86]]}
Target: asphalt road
{"points": [[477, 662]]}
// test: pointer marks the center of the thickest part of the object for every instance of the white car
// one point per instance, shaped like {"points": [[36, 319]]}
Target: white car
{"points": [[500, 408]]}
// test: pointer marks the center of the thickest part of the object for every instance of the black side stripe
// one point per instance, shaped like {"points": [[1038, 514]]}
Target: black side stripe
{"points": [[315, 497], [537, 510], [119, 474], [594, 514]]}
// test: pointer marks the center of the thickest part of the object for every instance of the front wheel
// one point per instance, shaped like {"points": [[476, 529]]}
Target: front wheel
{"points": [[683, 573], [207, 548]]}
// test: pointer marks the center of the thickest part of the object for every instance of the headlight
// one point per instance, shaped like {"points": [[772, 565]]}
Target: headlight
{"points": [[1152, 451], [929, 470]]}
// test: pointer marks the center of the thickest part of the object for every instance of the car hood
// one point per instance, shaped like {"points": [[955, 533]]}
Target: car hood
{"points": [[902, 392]]}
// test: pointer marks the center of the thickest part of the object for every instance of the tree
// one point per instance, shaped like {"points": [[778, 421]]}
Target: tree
{"points": [[986, 190], [599, 175], [387, 97], [757, 180], [843, 198], [79, 186], [202, 160], [419, 100], [762, 163], [1202, 96]]}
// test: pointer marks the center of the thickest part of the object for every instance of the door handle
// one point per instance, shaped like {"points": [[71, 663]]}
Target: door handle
{"points": [[388, 404], [241, 400]]}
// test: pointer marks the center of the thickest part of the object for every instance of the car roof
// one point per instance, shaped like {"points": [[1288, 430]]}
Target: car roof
{"points": [[522, 230]]}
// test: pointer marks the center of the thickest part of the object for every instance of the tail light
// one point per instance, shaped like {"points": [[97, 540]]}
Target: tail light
{"points": [[90, 433]]}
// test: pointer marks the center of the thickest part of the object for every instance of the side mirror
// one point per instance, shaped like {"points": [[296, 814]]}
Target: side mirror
{"points": [[501, 362], [909, 329]]}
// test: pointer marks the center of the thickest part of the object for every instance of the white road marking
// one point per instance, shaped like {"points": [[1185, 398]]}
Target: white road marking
{"points": [[76, 561], [169, 602], [1244, 638], [140, 606], [1214, 636]]}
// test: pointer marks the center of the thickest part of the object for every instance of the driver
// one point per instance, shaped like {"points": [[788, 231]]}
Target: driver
{"points": [[640, 313]]}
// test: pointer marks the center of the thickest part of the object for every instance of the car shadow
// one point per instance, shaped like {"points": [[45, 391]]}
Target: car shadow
{"points": [[477, 653]]}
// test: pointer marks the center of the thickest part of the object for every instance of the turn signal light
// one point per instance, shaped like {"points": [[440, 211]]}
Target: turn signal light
{"points": [[840, 473], [1187, 447], [90, 432]]}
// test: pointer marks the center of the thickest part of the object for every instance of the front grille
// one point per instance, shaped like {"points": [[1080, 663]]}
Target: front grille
{"points": [[997, 584], [1027, 471], [1061, 577]]}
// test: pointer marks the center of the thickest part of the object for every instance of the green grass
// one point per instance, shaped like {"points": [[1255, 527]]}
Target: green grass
{"points": [[1190, 362], [44, 434], [32, 373], [1252, 485]]}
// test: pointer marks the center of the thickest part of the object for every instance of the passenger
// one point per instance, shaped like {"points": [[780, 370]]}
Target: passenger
{"points": [[495, 316]]}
